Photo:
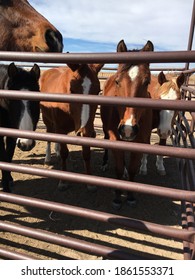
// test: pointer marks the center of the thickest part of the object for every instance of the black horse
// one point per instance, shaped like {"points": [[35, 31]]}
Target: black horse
{"points": [[18, 114]]}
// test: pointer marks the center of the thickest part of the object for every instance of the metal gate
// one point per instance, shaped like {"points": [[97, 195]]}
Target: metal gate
{"points": [[183, 150]]}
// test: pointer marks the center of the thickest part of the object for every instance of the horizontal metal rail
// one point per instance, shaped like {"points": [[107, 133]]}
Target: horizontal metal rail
{"points": [[104, 100], [13, 255], [113, 219], [112, 58], [103, 182], [192, 90], [176, 152], [133, 58], [68, 242]]}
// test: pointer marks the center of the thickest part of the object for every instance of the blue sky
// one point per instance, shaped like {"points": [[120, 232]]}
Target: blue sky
{"points": [[97, 26]]}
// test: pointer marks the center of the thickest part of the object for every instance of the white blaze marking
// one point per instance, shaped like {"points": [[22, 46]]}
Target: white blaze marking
{"points": [[85, 108], [129, 121], [133, 72], [25, 124]]}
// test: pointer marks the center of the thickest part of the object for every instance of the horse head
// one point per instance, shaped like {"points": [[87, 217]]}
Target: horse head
{"points": [[168, 90], [24, 29], [23, 114], [131, 80]]}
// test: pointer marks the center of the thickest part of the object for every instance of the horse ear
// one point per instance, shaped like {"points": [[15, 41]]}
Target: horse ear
{"points": [[12, 70], [73, 67], [180, 80], [97, 67], [149, 47], [161, 78], [121, 47], [36, 71]]}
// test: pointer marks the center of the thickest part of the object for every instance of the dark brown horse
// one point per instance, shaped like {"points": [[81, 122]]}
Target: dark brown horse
{"points": [[18, 114], [163, 88], [127, 123], [24, 29], [64, 118]]}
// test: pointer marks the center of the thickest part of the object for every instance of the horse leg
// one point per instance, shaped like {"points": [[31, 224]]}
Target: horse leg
{"points": [[86, 152], [6, 154], [57, 150], [143, 168], [104, 166], [121, 173], [48, 153], [159, 160], [160, 165], [63, 156], [133, 169]]}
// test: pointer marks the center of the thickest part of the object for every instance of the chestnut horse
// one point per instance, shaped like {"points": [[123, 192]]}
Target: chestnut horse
{"points": [[162, 88], [64, 118], [24, 29], [127, 123]]}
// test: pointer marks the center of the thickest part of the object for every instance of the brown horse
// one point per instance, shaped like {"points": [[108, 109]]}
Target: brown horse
{"points": [[24, 29], [64, 117], [127, 123], [162, 88]]}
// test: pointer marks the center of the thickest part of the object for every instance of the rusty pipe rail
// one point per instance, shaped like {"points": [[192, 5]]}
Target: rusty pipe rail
{"points": [[68, 242], [103, 182], [132, 57], [187, 88], [8, 254], [176, 152], [113, 219], [102, 100]]}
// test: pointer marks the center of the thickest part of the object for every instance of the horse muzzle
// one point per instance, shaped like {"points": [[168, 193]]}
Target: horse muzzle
{"points": [[164, 134], [54, 40], [25, 145], [128, 132]]}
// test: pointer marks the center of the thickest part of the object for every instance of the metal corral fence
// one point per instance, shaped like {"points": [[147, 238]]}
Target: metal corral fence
{"points": [[183, 150]]}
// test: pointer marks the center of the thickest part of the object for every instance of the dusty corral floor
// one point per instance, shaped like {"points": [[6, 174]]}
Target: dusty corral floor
{"points": [[149, 208]]}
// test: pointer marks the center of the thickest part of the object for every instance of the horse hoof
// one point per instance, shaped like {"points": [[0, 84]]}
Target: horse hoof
{"points": [[116, 204], [132, 203], [8, 188], [143, 172], [62, 186], [104, 168], [47, 162], [162, 172], [92, 188]]}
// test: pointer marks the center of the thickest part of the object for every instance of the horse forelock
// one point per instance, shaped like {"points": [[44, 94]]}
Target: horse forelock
{"points": [[126, 66], [169, 87]]}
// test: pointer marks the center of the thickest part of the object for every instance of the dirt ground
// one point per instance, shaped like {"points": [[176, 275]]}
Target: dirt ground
{"points": [[149, 208]]}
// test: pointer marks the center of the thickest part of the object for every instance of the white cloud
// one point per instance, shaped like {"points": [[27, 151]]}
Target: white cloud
{"points": [[166, 22]]}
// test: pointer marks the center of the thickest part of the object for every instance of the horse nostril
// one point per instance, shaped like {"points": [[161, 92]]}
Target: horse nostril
{"points": [[121, 129], [54, 40]]}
